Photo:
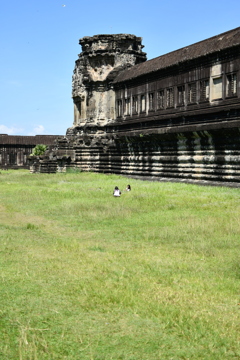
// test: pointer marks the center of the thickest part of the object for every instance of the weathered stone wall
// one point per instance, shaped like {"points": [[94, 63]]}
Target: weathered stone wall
{"points": [[197, 154], [176, 116], [15, 150], [210, 153], [102, 58]]}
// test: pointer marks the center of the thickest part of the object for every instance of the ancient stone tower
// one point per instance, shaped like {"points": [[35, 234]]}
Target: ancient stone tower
{"points": [[176, 116], [101, 59]]}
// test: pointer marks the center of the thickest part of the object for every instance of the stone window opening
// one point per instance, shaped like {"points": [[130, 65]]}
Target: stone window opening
{"points": [[204, 90], [12, 159], [135, 104], [127, 106], [181, 95], [151, 104], [170, 98], [77, 111], [119, 108], [160, 99], [143, 103], [79, 107], [231, 85], [192, 93]]}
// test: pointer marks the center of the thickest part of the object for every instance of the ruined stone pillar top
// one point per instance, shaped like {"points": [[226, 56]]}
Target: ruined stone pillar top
{"points": [[101, 59], [118, 43]]}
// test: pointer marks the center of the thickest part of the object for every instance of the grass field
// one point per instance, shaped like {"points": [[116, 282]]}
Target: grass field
{"points": [[154, 274]]}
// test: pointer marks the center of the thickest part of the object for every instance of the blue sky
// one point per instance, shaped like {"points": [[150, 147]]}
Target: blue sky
{"points": [[39, 46]]}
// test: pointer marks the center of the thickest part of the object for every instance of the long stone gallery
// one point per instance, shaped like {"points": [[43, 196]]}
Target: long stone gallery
{"points": [[175, 116]]}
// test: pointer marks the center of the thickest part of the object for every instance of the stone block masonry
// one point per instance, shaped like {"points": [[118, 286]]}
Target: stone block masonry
{"points": [[176, 116], [15, 150]]}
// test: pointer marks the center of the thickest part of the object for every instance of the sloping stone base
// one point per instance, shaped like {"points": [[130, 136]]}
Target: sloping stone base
{"points": [[210, 153]]}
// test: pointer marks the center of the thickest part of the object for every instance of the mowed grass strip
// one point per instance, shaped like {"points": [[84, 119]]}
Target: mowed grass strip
{"points": [[151, 275]]}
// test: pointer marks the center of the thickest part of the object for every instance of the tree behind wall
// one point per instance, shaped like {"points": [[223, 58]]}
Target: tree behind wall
{"points": [[39, 150]]}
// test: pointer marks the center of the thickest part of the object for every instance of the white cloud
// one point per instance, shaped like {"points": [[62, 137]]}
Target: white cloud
{"points": [[10, 130], [38, 130]]}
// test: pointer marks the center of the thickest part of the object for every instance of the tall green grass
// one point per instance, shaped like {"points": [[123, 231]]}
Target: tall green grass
{"points": [[151, 275]]}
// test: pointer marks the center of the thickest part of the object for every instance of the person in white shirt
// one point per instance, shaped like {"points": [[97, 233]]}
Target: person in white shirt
{"points": [[116, 192], [128, 188]]}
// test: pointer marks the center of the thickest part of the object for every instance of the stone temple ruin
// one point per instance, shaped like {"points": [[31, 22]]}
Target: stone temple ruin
{"points": [[103, 57], [16, 149], [175, 116]]}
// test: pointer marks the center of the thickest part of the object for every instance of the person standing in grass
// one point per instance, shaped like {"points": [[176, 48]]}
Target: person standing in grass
{"points": [[116, 192]]}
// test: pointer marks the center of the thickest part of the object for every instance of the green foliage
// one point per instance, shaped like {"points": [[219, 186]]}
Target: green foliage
{"points": [[31, 226], [151, 275], [39, 150]]}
